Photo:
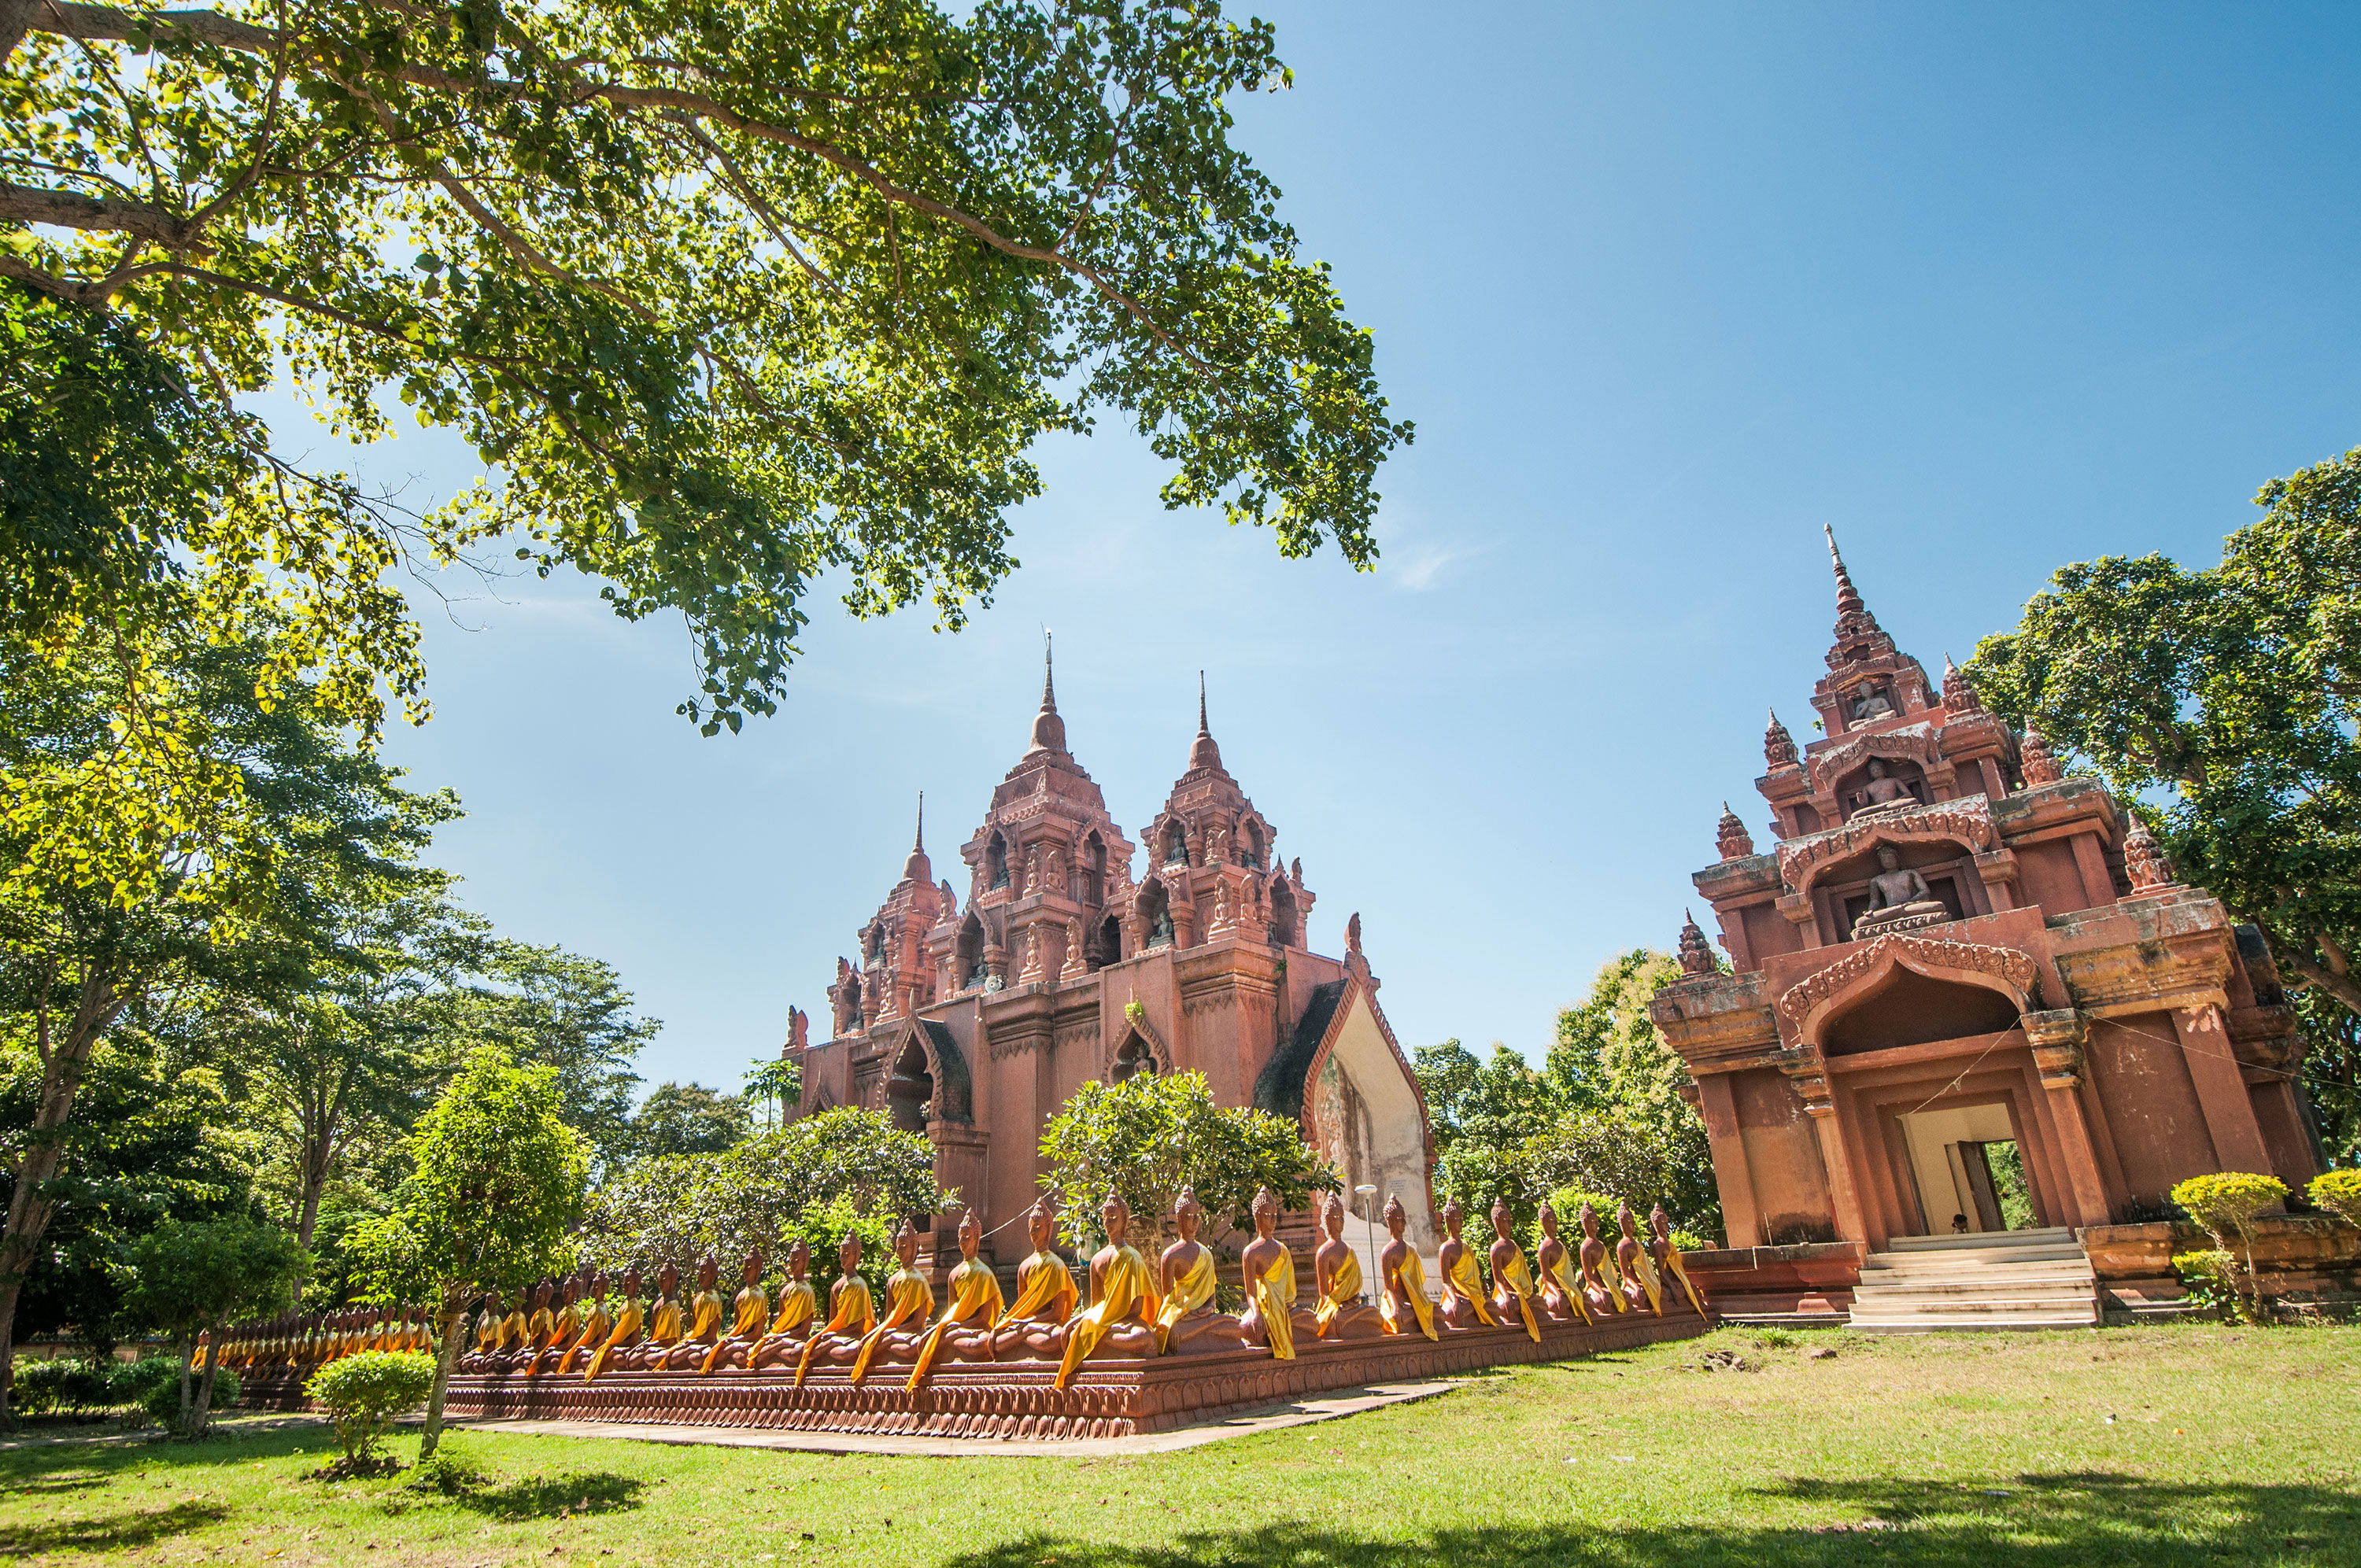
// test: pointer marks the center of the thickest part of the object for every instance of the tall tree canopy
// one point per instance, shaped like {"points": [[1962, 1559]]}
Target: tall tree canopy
{"points": [[727, 294], [2227, 698]]}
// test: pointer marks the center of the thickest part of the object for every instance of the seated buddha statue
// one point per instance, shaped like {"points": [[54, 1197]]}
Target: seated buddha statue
{"points": [[1271, 1318], [665, 1324], [1336, 1277], [964, 1331], [1638, 1269], [1402, 1305], [1034, 1327], [524, 1332], [705, 1311], [623, 1339], [1464, 1306], [1899, 900], [750, 1316], [1512, 1278], [550, 1347], [1669, 1268], [850, 1314], [1121, 1318], [1560, 1295], [592, 1328], [1602, 1287], [901, 1332], [793, 1322], [1186, 1323]]}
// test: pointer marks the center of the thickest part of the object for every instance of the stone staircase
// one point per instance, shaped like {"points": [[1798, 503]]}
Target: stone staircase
{"points": [[1995, 1279]]}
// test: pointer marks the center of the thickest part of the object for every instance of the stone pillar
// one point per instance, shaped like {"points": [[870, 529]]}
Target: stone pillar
{"points": [[1998, 870], [1810, 1080], [1742, 1214], [2221, 1089], [2057, 1040], [958, 1160]]}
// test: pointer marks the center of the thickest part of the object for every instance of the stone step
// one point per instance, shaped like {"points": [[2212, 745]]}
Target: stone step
{"points": [[1990, 1257], [2076, 1271], [1955, 1291], [2052, 1234], [1935, 1325], [1881, 1306]]}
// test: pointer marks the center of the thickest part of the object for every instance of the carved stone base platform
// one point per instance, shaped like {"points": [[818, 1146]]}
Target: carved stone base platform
{"points": [[1015, 1399]]}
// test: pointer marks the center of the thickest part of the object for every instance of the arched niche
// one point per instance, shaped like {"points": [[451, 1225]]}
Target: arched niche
{"points": [[928, 1080], [1841, 888], [1907, 1008], [1136, 1055], [995, 861], [970, 964], [1852, 788], [1094, 869], [910, 1088], [1284, 925], [1105, 946], [1154, 910], [1172, 844]]}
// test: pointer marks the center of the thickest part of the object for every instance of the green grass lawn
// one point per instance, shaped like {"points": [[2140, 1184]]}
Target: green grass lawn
{"points": [[2186, 1444]]}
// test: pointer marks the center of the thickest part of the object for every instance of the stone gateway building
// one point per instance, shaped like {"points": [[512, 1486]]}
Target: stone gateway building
{"points": [[1955, 966], [973, 1021]]}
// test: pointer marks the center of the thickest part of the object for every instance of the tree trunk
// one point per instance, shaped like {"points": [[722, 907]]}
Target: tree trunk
{"points": [[188, 1349], [30, 1205], [308, 1215], [15, 17], [443, 1363], [195, 1422]]}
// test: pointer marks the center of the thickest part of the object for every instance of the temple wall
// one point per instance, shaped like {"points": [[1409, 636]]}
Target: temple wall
{"points": [[2159, 1128], [1769, 932], [2046, 876], [2284, 1132], [1782, 1159]]}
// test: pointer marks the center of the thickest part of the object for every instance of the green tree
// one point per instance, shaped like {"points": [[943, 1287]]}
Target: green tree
{"points": [[1153, 1134], [79, 947], [197, 1277], [690, 1118], [1631, 1134], [2224, 702], [777, 1083], [729, 297], [812, 1179], [494, 1190]]}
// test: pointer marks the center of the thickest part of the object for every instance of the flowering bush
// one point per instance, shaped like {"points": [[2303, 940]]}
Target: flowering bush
{"points": [[2339, 1192]]}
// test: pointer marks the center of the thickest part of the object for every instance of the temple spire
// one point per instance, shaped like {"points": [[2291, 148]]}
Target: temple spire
{"points": [[1849, 601], [1048, 730], [917, 868], [1203, 752]]}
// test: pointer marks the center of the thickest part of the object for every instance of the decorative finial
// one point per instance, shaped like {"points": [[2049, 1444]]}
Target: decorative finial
{"points": [[1848, 597], [1352, 935], [1049, 671], [1735, 841], [1203, 752], [1778, 746], [919, 839], [1696, 953], [1048, 730], [1200, 704], [2033, 756], [1958, 695], [2144, 859]]}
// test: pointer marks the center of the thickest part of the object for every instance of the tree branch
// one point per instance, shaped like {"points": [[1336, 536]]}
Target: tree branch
{"points": [[104, 215]]}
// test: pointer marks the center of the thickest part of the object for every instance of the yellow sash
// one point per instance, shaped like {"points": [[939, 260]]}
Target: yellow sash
{"points": [[1672, 1267], [664, 1327], [626, 1325], [488, 1333], [1126, 1290], [975, 1289], [707, 1322], [797, 1306], [908, 1299], [1462, 1280], [1274, 1299], [753, 1307], [515, 1328], [1343, 1290], [852, 1309], [592, 1334], [1193, 1289], [1567, 1284], [1412, 1273], [1520, 1281], [559, 1329], [1042, 1280], [1611, 1276], [1643, 1269]]}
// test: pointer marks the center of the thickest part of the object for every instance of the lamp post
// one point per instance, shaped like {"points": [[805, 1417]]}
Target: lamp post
{"points": [[1366, 1191]]}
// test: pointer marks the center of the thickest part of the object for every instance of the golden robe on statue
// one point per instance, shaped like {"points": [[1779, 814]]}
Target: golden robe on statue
{"points": [[1461, 1279], [1643, 1269], [627, 1327], [798, 1305], [1343, 1290], [975, 1289], [1413, 1275], [1519, 1278], [853, 1315], [1042, 1280], [1126, 1291], [753, 1307], [908, 1299], [1562, 1274], [1274, 1302], [1192, 1290]]}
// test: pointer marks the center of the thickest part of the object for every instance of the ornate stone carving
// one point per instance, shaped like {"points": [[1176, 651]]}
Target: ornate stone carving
{"points": [[2144, 858], [1911, 743], [1778, 746], [1696, 953], [1075, 966], [2033, 755], [1958, 697], [2004, 964], [1735, 841], [1968, 822]]}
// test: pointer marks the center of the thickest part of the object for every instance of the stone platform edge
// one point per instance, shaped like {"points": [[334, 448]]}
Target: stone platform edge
{"points": [[1016, 1400]]}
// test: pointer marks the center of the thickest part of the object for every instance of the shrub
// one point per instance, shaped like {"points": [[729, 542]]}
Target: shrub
{"points": [[364, 1392], [2226, 1204], [161, 1398], [2209, 1277], [44, 1388], [2339, 1192], [128, 1382]]}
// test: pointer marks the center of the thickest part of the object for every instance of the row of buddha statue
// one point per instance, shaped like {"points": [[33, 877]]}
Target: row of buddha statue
{"points": [[1137, 1310], [302, 1341]]}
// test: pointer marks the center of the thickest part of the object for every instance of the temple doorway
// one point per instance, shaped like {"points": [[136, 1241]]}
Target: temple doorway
{"points": [[1969, 1173]]}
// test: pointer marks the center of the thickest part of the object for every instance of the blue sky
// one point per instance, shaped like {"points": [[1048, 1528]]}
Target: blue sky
{"points": [[1989, 288]]}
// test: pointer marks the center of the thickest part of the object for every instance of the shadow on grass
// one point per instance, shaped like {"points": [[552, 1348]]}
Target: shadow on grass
{"points": [[2032, 1522], [115, 1531], [546, 1496]]}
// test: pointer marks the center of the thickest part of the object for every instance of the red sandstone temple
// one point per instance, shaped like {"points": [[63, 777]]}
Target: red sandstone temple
{"points": [[1953, 948], [975, 1023]]}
